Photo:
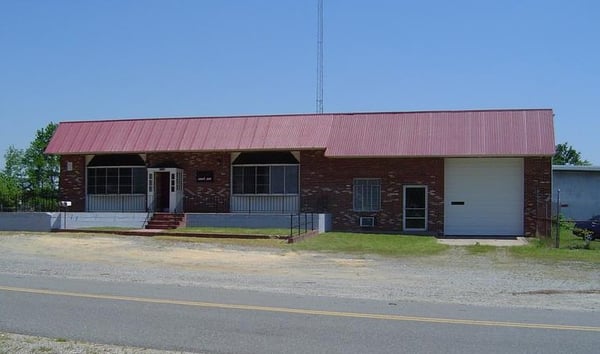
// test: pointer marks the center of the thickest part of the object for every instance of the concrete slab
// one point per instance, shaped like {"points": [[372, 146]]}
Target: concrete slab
{"points": [[519, 241]]}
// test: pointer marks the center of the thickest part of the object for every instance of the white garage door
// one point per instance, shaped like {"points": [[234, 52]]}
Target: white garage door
{"points": [[483, 196]]}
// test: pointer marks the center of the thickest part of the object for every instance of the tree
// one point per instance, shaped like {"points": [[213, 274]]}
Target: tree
{"points": [[9, 192], [14, 166], [566, 155], [29, 175], [42, 170], [12, 179]]}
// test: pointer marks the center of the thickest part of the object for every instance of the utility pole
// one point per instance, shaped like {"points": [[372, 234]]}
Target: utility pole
{"points": [[557, 235], [320, 57]]}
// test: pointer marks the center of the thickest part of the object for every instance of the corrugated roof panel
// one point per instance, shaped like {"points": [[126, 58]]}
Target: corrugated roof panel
{"points": [[284, 132], [165, 132], [63, 139], [405, 134], [187, 137], [247, 129], [273, 130], [202, 135], [145, 135], [176, 136], [100, 141], [116, 136], [453, 133], [153, 136]]}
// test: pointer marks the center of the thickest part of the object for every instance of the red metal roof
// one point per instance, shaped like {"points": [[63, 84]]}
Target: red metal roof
{"points": [[404, 134]]}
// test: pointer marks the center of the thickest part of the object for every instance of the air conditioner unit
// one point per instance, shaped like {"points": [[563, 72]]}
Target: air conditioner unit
{"points": [[367, 221]]}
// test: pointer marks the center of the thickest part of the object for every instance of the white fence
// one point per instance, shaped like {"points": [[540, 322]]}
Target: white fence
{"points": [[281, 204], [116, 202]]}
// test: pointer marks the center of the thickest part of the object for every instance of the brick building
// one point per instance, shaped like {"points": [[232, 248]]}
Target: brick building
{"points": [[478, 172]]}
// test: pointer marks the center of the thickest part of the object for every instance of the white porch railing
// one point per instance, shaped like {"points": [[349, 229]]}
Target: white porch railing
{"points": [[116, 202], [281, 204]]}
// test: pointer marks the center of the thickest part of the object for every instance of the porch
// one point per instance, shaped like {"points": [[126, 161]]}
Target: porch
{"points": [[88, 220], [247, 204]]}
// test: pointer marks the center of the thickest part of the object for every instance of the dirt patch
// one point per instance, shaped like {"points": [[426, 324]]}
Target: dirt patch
{"points": [[140, 250], [22, 344], [453, 276]]}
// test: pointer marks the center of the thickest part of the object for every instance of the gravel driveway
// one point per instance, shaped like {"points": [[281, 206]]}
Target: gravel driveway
{"points": [[454, 276]]}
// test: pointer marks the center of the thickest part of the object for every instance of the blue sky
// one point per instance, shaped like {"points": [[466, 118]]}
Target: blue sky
{"points": [[85, 60]]}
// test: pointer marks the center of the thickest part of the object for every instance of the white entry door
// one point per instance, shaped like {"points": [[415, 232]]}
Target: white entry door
{"points": [[165, 190], [483, 196]]}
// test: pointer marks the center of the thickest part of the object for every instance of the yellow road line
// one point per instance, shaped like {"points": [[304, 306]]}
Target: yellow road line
{"points": [[305, 311]]}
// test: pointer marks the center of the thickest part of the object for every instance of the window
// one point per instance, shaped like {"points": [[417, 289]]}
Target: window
{"points": [[291, 179], [265, 179], [262, 180], [249, 174], [367, 194], [125, 181], [277, 179], [116, 180]]}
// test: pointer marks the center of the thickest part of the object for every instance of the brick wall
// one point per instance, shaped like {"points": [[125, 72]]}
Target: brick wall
{"points": [[72, 183], [538, 193], [326, 185], [200, 196]]}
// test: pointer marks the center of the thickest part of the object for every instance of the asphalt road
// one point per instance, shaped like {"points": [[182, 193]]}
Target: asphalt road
{"points": [[200, 319]]}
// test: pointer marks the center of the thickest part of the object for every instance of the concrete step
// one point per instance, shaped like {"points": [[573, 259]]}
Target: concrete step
{"points": [[165, 221]]}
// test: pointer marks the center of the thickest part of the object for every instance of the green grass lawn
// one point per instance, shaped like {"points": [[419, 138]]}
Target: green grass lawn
{"points": [[382, 244], [387, 245], [571, 249]]}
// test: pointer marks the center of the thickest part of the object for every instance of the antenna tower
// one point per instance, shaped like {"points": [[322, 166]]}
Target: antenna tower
{"points": [[320, 57]]}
